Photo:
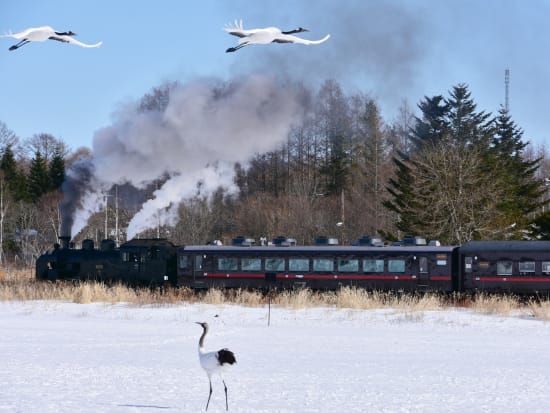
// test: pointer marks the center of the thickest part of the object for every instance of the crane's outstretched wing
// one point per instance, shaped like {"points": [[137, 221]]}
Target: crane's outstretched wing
{"points": [[237, 29], [287, 38], [69, 39], [17, 36]]}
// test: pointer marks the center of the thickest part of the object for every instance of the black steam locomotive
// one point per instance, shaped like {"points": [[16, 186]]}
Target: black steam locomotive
{"points": [[412, 265]]}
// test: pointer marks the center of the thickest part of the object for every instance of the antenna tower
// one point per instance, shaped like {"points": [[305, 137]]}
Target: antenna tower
{"points": [[506, 89]]}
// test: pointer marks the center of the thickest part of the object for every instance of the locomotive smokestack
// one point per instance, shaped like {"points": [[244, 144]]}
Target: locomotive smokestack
{"points": [[64, 241]]}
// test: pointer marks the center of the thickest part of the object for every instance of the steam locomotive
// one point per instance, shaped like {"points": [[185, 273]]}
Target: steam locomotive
{"points": [[521, 267]]}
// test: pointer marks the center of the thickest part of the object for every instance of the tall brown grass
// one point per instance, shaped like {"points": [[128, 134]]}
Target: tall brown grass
{"points": [[21, 286]]}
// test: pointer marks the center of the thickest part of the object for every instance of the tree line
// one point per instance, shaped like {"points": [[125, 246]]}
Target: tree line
{"points": [[446, 171]]}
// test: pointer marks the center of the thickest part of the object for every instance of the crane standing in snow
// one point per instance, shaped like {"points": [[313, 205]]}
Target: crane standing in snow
{"points": [[267, 35], [43, 33], [214, 362]]}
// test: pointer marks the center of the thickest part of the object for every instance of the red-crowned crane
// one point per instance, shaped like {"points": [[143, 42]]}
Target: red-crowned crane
{"points": [[214, 362], [43, 33], [267, 35]]}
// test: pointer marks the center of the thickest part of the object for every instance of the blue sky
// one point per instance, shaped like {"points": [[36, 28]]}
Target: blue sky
{"points": [[393, 50]]}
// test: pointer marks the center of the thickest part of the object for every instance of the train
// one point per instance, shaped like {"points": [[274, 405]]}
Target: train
{"points": [[518, 267]]}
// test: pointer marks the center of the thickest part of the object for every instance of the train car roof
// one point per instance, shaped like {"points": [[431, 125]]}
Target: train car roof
{"points": [[148, 242], [516, 246], [313, 249]]}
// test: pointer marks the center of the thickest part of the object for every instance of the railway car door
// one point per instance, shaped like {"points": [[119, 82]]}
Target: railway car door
{"points": [[197, 268], [423, 272]]}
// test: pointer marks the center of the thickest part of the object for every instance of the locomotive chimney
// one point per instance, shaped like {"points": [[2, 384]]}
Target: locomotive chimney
{"points": [[64, 240]]}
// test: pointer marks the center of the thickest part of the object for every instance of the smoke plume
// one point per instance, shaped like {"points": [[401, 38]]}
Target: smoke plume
{"points": [[195, 140]]}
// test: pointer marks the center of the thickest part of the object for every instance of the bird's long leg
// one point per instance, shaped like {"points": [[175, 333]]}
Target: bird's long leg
{"points": [[210, 394], [58, 39], [18, 45], [225, 389], [234, 49]]}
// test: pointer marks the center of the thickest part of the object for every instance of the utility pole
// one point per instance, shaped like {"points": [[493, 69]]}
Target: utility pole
{"points": [[117, 240], [106, 197]]}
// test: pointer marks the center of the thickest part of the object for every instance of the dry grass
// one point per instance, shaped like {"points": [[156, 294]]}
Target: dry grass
{"points": [[540, 309], [14, 274], [21, 286], [496, 304]]}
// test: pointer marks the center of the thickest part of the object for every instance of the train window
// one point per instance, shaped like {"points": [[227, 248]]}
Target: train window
{"points": [[504, 267], [323, 264], [125, 256], [423, 264], [183, 262], [396, 265], [227, 264], [298, 264], [468, 264], [526, 267], [373, 265], [251, 264], [346, 265], [546, 267], [274, 264]]}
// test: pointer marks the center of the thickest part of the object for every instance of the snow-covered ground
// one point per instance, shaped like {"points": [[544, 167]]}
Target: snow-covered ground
{"points": [[90, 358]]}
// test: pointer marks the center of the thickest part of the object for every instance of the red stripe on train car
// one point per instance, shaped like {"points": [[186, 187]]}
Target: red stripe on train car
{"points": [[280, 276], [513, 279], [343, 277], [234, 275]]}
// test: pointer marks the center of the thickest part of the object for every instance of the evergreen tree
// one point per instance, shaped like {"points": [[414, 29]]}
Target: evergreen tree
{"points": [[467, 126], [450, 186], [56, 169], [9, 168], [38, 181], [15, 177], [517, 174], [433, 125]]}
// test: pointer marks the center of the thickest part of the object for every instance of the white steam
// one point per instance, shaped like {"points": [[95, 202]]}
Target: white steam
{"points": [[195, 141]]}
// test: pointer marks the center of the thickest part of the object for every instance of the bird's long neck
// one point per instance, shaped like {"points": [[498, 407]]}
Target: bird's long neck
{"points": [[201, 340], [292, 31]]}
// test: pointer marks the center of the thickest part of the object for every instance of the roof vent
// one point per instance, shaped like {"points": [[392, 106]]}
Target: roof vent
{"points": [[368, 241], [413, 241], [215, 242], [243, 241], [327, 241], [284, 241]]}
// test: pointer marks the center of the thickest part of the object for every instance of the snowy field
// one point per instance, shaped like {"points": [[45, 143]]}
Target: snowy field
{"points": [[90, 358]]}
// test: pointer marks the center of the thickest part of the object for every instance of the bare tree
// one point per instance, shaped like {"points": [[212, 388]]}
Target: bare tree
{"points": [[46, 144], [457, 201], [7, 137]]}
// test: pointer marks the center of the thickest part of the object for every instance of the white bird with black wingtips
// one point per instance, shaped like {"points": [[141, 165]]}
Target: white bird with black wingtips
{"points": [[213, 362], [43, 33], [267, 35]]}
